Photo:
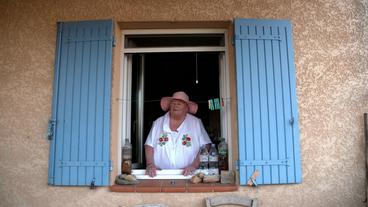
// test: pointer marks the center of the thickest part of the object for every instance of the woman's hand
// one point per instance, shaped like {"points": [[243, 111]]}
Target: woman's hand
{"points": [[189, 170], [151, 170]]}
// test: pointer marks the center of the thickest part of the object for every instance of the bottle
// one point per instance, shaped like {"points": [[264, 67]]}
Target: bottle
{"points": [[126, 164], [203, 159], [213, 161], [223, 155]]}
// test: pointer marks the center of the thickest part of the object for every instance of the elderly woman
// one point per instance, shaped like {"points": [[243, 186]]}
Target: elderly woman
{"points": [[175, 138]]}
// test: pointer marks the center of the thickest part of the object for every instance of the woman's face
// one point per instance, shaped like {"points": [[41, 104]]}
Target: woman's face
{"points": [[178, 108]]}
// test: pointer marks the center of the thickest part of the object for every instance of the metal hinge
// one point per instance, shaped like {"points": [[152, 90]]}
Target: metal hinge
{"points": [[51, 129], [280, 162], [236, 164], [258, 37], [110, 166], [60, 27], [113, 41]]}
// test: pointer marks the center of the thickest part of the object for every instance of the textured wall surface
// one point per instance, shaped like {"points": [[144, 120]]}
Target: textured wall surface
{"points": [[331, 50]]}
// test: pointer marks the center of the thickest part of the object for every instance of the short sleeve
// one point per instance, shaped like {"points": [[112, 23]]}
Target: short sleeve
{"points": [[204, 138]]}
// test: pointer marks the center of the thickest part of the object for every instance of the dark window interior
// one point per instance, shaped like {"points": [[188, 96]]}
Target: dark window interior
{"points": [[179, 40], [165, 73]]}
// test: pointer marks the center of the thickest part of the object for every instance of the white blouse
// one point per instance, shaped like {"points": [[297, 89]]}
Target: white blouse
{"points": [[176, 149]]}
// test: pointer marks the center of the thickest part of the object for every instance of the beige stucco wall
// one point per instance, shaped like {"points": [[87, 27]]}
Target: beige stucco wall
{"points": [[330, 41]]}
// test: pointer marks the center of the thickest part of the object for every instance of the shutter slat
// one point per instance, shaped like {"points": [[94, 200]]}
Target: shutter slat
{"points": [[60, 116], [253, 96], [75, 134], [92, 109], [287, 106], [248, 104], [294, 111], [276, 86], [265, 170], [51, 172], [82, 148], [280, 119], [107, 95], [68, 110], [241, 88], [64, 151], [271, 105], [266, 102], [99, 108]]}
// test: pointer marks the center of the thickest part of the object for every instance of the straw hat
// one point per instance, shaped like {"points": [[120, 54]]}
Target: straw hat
{"points": [[180, 95]]}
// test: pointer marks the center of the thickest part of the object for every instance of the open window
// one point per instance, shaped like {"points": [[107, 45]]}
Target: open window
{"points": [[159, 62], [267, 115]]}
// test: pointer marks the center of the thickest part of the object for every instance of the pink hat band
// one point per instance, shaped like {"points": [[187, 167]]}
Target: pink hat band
{"points": [[180, 95]]}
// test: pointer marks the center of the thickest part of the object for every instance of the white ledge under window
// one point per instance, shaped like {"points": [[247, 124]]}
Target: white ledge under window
{"points": [[161, 174]]}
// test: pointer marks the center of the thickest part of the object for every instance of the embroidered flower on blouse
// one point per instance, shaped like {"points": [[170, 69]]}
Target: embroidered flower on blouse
{"points": [[186, 140], [163, 139]]}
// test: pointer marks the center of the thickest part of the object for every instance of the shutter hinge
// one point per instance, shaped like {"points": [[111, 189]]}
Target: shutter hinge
{"points": [[233, 40], [236, 164], [60, 27], [113, 41], [257, 37], [263, 162], [110, 168], [51, 129]]}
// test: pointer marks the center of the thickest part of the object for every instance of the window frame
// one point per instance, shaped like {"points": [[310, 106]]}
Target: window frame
{"points": [[125, 86]]}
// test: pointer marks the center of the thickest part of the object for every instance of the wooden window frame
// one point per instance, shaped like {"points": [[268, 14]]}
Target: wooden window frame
{"points": [[125, 86]]}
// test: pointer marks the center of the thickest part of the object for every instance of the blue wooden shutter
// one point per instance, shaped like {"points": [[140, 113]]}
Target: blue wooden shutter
{"points": [[267, 104], [80, 143]]}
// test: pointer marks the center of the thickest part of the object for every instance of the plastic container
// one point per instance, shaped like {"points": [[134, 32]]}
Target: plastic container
{"points": [[223, 155], [126, 164], [213, 161], [203, 159]]}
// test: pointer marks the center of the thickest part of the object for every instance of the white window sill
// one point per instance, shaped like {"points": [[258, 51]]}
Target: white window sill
{"points": [[161, 174]]}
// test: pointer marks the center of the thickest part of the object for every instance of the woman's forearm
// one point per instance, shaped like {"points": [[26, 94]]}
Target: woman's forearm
{"points": [[149, 155], [150, 165]]}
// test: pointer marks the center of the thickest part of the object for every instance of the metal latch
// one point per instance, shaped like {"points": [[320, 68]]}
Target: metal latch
{"points": [[291, 121], [51, 129], [93, 186]]}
